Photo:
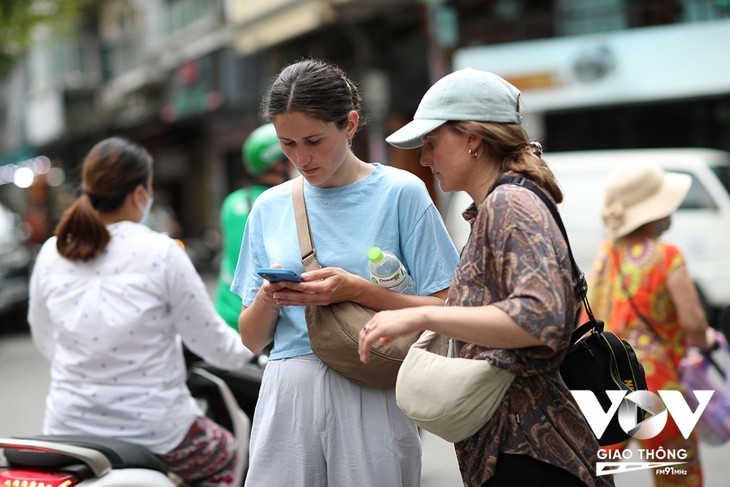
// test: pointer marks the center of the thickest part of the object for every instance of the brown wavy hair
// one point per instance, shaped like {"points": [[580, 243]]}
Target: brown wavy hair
{"points": [[510, 146], [111, 170]]}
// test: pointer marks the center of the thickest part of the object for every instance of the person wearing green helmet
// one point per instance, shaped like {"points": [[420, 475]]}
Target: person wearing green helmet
{"points": [[266, 163]]}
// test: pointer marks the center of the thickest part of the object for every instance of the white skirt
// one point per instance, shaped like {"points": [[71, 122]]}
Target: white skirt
{"points": [[314, 428]]}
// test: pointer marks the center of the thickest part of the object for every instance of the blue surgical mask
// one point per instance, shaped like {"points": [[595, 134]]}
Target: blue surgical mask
{"points": [[147, 208]]}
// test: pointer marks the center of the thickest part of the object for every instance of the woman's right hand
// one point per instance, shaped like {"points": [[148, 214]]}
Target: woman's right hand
{"points": [[265, 296], [386, 326], [257, 323]]}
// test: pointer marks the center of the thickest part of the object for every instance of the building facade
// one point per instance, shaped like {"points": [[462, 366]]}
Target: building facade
{"points": [[184, 78]]}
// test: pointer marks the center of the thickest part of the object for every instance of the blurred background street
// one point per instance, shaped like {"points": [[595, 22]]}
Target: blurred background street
{"points": [[24, 381], [602, 81], [24, 378]]}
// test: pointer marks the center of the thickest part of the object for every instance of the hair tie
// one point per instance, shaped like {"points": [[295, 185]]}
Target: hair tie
{"points": [[536, 148], [93, 199]]}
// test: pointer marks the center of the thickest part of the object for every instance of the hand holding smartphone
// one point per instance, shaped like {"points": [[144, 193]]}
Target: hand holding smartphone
{"points": [[278, 275]]}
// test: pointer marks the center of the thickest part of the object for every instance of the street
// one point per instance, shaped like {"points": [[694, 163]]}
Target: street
{"points": [[24, 376], [24, 379]]}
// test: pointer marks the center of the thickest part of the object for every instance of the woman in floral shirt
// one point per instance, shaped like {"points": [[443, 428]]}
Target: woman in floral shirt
{"points": [[641, 287], [512, 299]]}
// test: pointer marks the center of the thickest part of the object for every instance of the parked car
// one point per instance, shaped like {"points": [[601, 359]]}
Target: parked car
{"points": [[700, 227], [15, 261]]}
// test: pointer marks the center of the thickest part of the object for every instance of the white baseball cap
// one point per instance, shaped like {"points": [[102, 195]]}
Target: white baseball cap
{"points": [[466, 94]]}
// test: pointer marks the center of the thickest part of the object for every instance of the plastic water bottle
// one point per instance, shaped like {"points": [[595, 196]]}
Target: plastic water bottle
{"points": [[386, 270]]}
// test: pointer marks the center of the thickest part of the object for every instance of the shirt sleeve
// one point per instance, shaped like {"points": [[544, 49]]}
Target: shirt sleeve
{"points": [[429, 252], [39, 318], [538, 289], [246, 282], [675, 258], [202, 330]]}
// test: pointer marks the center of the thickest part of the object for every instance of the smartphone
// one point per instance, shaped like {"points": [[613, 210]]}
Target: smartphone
{"points": [[277, 275]]}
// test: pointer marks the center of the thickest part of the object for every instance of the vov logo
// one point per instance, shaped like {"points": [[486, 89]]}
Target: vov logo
{"points": [[656, 410]]}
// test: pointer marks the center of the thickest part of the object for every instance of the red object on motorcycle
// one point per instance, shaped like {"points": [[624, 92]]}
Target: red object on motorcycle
{"points": [[15, 477]]}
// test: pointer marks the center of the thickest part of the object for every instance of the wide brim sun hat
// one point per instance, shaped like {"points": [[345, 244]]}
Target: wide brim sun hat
{"points": [[639, 193], [466, 94]]}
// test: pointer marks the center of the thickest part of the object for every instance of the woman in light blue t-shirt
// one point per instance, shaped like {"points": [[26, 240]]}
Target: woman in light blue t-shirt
{"points": [[312, 426]]}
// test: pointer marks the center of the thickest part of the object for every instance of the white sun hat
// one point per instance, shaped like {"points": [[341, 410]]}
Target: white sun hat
{"points": [[639, 193]]}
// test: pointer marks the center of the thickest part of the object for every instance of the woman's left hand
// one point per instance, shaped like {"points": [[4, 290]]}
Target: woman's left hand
{"points": [[389, 325]]}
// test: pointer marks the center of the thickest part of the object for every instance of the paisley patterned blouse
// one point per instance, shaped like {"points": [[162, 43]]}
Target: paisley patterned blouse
{"points": [[516, 259]]}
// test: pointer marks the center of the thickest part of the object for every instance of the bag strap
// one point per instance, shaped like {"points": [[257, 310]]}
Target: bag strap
{"points": [[304, 233], [622, 362], [579, 278], [580, 286]]}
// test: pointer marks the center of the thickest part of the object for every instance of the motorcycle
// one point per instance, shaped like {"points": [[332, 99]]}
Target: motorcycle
{"points": [[227, 397]]}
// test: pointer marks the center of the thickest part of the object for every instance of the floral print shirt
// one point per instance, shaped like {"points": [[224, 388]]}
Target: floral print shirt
{"points": [[644, 267], [516, 259]]}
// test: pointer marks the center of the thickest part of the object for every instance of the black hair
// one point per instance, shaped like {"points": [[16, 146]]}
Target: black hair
{"points": [[111, 170], [316, 88]]}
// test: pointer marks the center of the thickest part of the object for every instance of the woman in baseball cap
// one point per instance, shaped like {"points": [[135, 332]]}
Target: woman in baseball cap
{"points": [[512, 299]]}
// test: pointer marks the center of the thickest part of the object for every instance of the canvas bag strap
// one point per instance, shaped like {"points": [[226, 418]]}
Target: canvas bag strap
{"points": [[306, 246]]}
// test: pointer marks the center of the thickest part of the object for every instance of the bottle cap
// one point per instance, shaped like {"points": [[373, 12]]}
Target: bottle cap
{"points": [[375, 255]]}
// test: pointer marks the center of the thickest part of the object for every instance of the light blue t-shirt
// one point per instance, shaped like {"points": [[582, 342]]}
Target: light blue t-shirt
{"points": [[390, 209]]}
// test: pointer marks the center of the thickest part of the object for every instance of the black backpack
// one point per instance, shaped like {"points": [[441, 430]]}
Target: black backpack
{"points": [[601, 361], [596, 360]]}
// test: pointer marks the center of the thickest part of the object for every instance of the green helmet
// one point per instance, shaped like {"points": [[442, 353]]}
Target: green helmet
{"points": [[261, 149]]}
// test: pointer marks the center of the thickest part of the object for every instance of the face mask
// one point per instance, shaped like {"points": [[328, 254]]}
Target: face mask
{"points": [[662, 226], [147, 208]]}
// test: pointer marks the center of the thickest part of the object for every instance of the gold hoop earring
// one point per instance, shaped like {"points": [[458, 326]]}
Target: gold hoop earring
{"points": [[473, 153]]}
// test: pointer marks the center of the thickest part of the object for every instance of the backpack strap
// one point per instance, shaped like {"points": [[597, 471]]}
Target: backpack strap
{"points": [[591, 325], [580, 286], [622, 361]]}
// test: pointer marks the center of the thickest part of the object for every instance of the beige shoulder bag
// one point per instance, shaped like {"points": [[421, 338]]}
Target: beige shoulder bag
{"points": [[334, 329], [450, 397]]}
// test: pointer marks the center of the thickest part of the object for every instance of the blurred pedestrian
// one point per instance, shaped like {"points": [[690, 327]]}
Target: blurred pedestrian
{"points": [[512, 300], [268, 166], [312, 426], [641, 287], [111, 304]]}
